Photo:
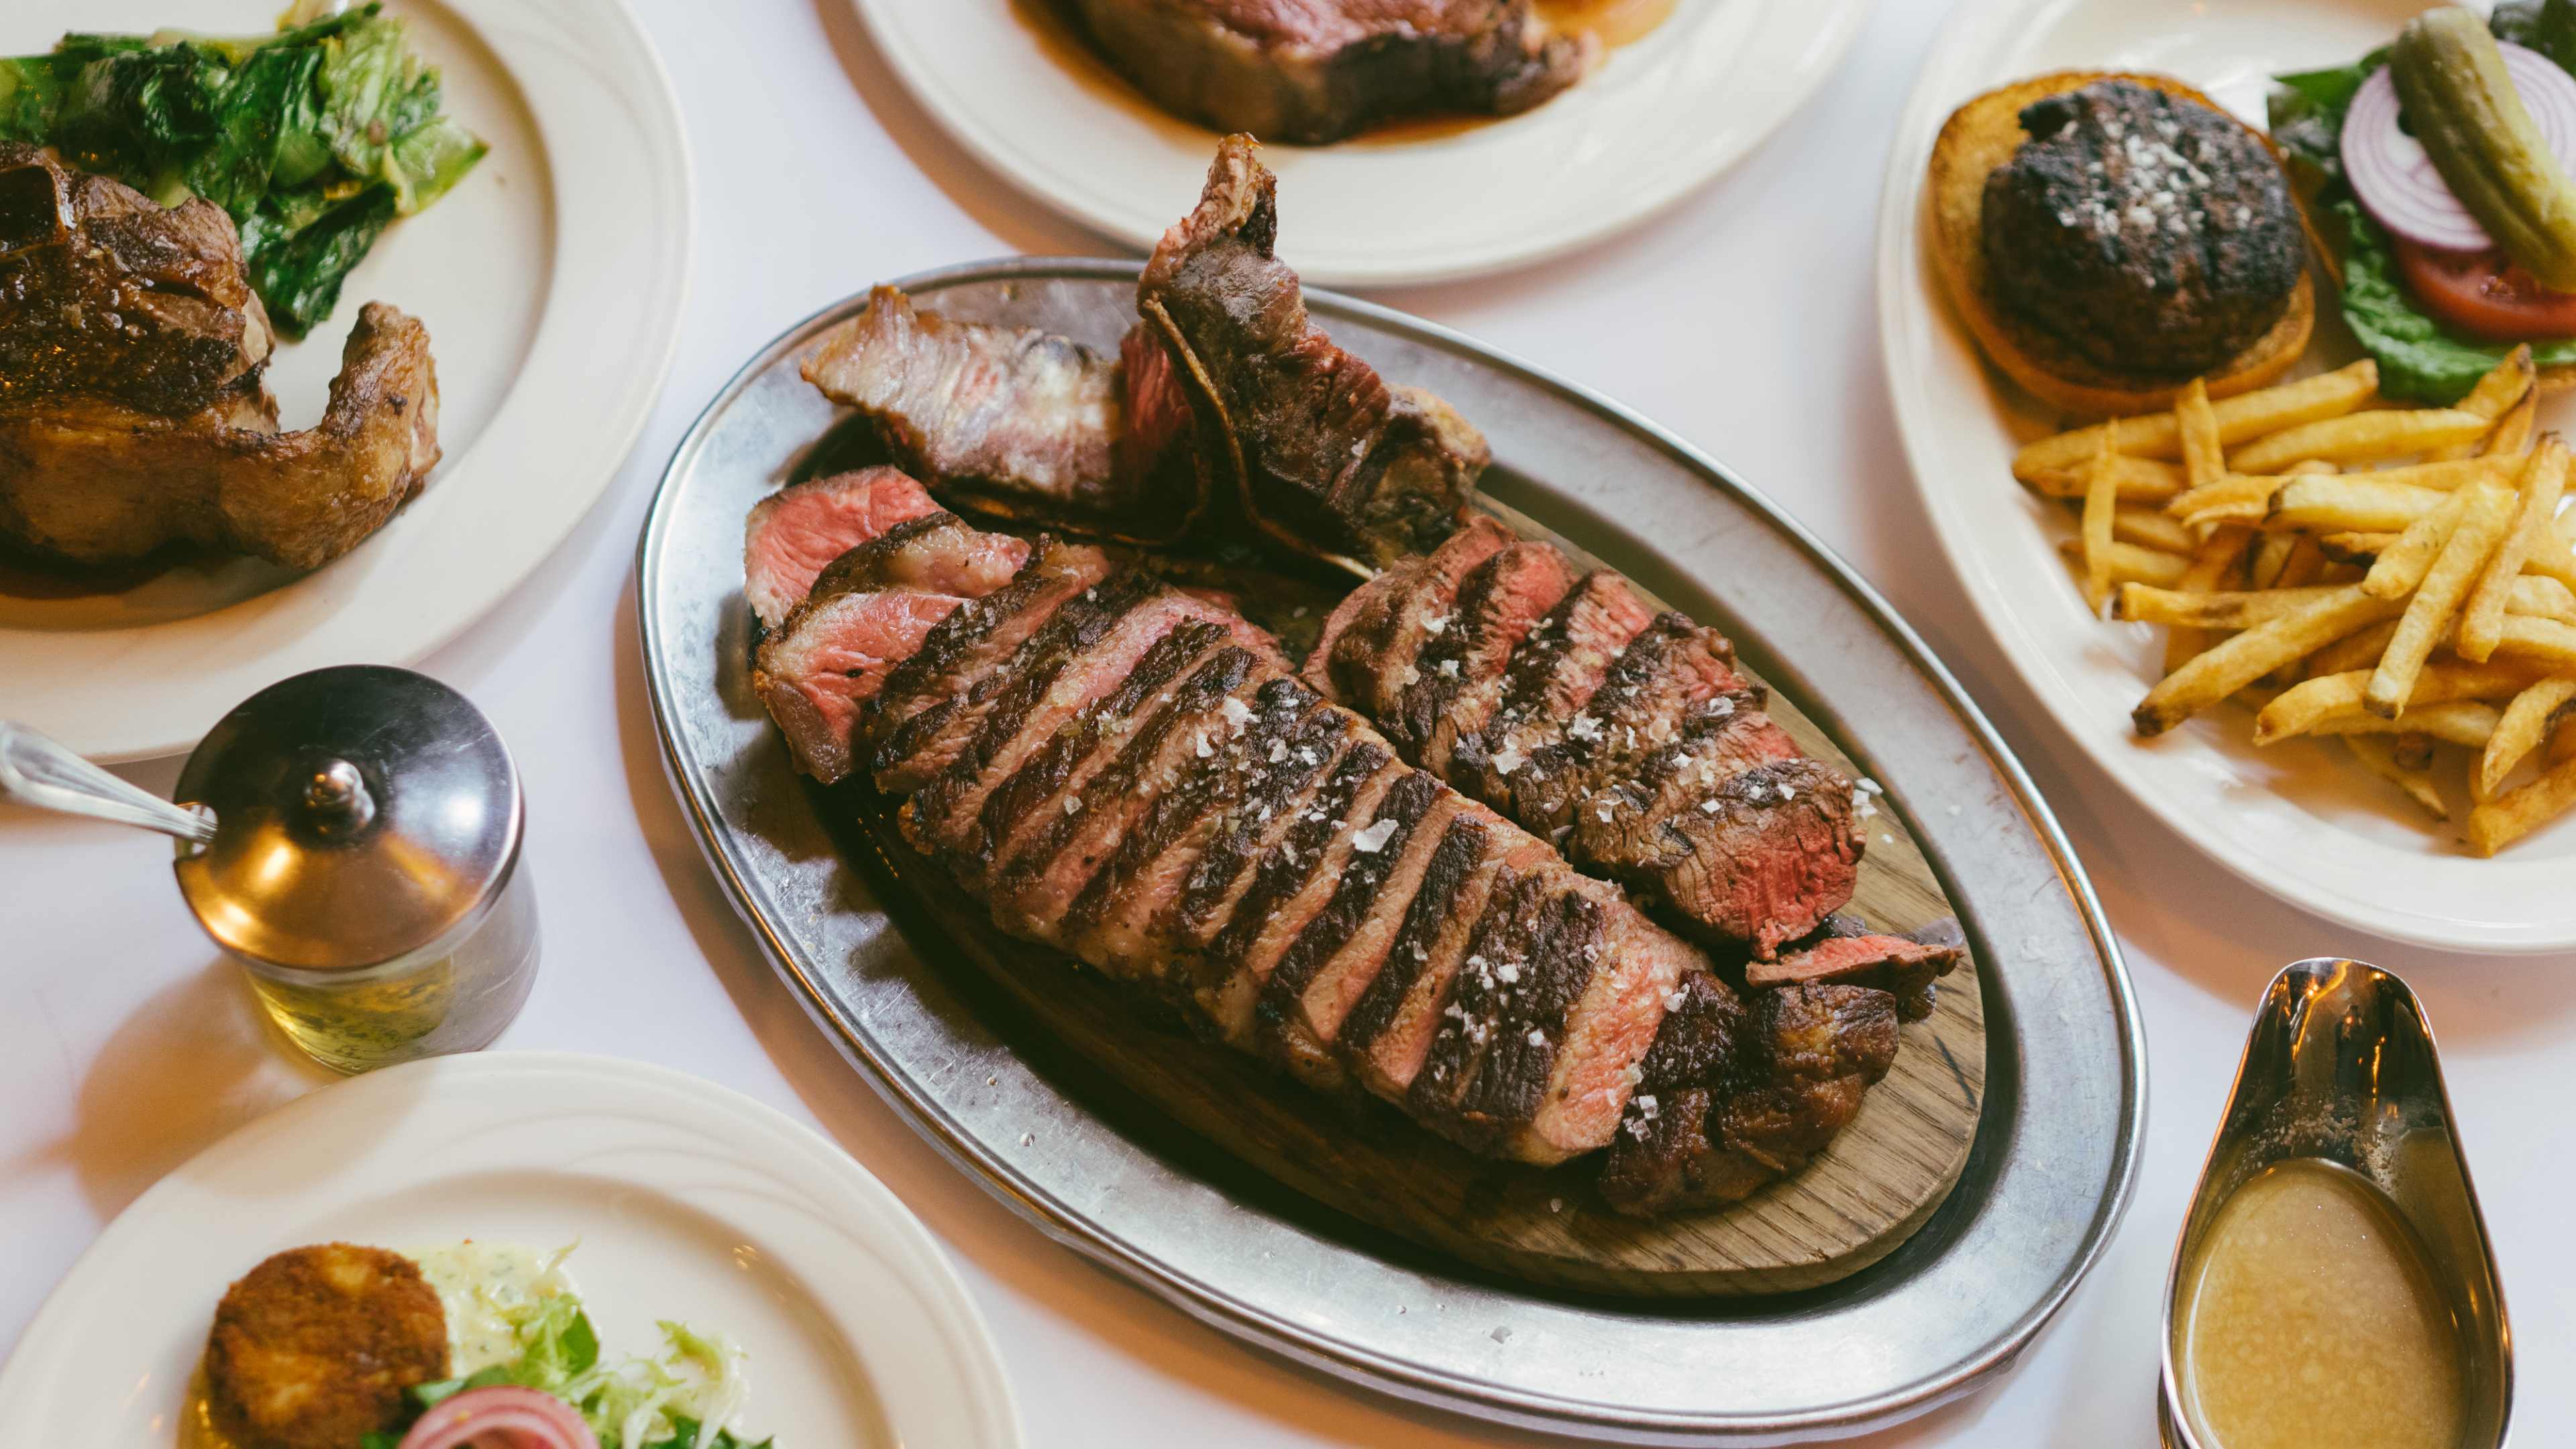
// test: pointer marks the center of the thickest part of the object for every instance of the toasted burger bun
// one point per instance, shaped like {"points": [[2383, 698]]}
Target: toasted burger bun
{"points": [[1984, 134]]}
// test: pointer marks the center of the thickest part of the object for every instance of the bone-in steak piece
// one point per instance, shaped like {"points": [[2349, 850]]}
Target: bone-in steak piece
{"points": [[1318, 450], [793, 534], [1314, 71]]}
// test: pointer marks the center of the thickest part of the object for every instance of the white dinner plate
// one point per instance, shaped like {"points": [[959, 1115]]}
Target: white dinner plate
{"points": [[551, 280], [2299, 819], [1017, 85], [688, 1202]]}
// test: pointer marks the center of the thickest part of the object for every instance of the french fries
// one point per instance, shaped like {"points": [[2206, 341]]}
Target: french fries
{"points": [[2400, 579]]}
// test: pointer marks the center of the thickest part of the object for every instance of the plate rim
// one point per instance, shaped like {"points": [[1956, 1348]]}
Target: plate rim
{"points": [[1319, 1349], [920, 1256], [1902, 284], [666, 155], [1838, 22]]}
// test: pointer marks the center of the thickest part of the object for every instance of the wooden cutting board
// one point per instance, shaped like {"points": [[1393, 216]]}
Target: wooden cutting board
{"points": [[1856, 1203]]}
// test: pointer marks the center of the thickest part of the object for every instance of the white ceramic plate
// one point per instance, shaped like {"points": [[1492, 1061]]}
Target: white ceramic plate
{"points": [[1019, 87], [551, 281], [2299, 819], [688, 1201]]}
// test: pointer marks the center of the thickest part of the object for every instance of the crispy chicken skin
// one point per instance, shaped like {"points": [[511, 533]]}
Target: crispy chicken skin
{"points": [[313, 1348], [91, 480]]}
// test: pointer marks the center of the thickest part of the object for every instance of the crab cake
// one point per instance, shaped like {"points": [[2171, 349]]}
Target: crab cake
{"points": [[313, 1348]]}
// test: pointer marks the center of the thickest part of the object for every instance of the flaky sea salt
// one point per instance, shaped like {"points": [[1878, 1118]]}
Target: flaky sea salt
{"points": [[1374, 838]]}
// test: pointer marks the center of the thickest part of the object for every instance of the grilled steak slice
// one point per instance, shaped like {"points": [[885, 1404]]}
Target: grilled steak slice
{"points": [[1032, 891], [1340, 951], [1269, 809], [1637, 821], [1851, 954], [1780, 850], [1313, 73], [1032, 798], [1458, 674], [1667, 669], [1015, 421], [791, 535], [923, 694], [1370, 643], [1128, 909], [104, 294], [1388, 1033], [937, 553], [1736, 1095], [1552, 675], [1296, 879], [829, 658], [1321, 453]]}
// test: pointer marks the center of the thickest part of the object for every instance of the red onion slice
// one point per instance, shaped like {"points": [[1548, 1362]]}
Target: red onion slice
{"points": [[500, 1418], [2396, 179]]}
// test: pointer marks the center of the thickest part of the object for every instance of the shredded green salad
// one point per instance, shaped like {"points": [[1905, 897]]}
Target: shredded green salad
{"points": [[2420, 360], [314, 139], [685, 1397]]}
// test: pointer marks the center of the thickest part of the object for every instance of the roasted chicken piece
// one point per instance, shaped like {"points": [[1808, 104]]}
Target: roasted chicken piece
{"points": [[92, 480], [132, 415], [104, 294]]}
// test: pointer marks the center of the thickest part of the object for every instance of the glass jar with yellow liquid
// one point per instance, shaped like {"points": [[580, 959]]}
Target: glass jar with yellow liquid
{"points": [[351, 836]]}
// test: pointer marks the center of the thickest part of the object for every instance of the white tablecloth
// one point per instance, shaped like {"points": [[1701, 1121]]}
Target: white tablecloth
{"points": [[1743, 320]]}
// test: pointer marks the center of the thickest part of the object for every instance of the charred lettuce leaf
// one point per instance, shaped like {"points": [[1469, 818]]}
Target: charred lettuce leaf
{"points": [[314, 139]]}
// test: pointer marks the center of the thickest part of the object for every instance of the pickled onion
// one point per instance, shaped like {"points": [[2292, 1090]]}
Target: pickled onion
{"points": [[2396, 179], [500, 1418]]}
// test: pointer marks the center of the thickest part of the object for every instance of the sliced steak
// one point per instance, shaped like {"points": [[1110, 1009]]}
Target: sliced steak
{"points": [[937, 553], [1295, 881], [923, 694], [1459, 673], [1265, 814], [1315, 72], [1849, 953], [1320, 452], [828, 659], [1640, 821], [793, 533], [1642, 704], [1388, 1033], [1032, 797], [1564, 1081], [1080, 655], [1127, 909], [1340, 951], [1777, 853], [1032, 890], [1552, 675], [1366, 657]]}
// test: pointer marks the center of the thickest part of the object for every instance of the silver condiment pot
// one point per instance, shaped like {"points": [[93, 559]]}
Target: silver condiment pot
{"points": [[351, 836], [2341, 1065]]}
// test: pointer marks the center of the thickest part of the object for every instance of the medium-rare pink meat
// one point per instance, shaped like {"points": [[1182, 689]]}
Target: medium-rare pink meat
{"points": [[1548, 681], [1458, 674], [1319, 451], [1671, 666], [1314, 71], [1849, 953], [1768, 855], [793, 533], [871, 608], [1369, 644]]}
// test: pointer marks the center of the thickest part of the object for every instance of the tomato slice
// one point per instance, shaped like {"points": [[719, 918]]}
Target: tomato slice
{"points": [[2485, 295]]}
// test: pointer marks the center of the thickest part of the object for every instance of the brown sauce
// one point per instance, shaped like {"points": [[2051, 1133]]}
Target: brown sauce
{"points": [[1612, 22], [2311, 1320]]}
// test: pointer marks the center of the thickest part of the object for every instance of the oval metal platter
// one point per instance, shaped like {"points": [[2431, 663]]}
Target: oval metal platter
{"points": [[2056, 1148]]}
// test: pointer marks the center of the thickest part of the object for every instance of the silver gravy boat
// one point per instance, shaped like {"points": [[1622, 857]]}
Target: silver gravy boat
{"points": [[2340, 1065]]}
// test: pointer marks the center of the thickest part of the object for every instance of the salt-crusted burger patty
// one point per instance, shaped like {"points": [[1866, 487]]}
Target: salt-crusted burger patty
{"points": [[313, 1348], [2145, 230]]}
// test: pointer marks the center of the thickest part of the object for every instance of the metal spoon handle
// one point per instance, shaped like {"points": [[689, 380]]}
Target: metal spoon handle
{"points": [[36, 771]]}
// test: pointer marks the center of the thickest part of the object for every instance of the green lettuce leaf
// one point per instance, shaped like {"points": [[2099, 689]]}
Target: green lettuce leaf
{"points": [[2547, 26], [2419, 359]]}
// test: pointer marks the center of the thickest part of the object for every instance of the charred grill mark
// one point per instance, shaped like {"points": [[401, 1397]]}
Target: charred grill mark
{"points": [[1510, 925], [1263, 815], [1195, 804], [1355, 895], [1445, 882], [1015, 690], [1531, 1026], [1288, 865], [978, 631]]}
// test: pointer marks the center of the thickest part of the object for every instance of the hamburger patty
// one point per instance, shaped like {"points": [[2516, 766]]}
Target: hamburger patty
{"points": [[2148, 232], [313, 1348]]}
